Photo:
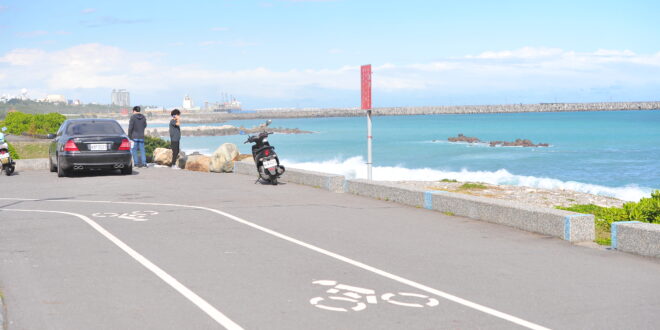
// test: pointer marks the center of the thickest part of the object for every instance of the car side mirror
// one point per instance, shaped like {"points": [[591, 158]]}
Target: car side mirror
{"points": [[51, 136]]}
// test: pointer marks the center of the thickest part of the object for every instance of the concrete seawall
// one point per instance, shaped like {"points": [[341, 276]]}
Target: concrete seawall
{"points": [[566, 225]]}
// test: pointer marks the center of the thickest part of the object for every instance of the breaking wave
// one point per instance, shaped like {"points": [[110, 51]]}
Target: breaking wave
{"points": [[355, 167]]}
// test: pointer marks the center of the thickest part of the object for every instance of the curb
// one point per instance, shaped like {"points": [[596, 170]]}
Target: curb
{"points": [[637, 238], [36, 164], [569, 226]]}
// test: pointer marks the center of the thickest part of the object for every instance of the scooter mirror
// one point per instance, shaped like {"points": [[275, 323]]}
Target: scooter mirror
{"points": [[4, 129], [268, 122]]}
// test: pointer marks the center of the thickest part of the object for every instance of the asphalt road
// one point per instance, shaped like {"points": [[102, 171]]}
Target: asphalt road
{"points": [[168, 249]]}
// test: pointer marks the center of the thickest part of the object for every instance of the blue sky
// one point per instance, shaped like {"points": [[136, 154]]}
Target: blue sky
{"points": [[306, 53]]}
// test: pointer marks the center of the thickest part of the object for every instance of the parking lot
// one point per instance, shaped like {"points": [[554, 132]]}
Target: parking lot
{"points": [[168, 249]]}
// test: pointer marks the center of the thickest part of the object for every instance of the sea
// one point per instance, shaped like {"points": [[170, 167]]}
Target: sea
{"points": [[610, 153]]}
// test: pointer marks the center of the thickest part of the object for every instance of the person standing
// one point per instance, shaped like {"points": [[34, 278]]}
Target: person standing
{"points": [[136, 126], [175, 134]]}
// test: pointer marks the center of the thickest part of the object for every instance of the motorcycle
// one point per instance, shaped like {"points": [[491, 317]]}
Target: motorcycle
{"points": [[8, 164], [268, 164]]}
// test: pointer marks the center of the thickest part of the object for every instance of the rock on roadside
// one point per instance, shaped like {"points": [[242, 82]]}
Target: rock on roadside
{"points": [[222, 158], [198, 162], [163, 156]]}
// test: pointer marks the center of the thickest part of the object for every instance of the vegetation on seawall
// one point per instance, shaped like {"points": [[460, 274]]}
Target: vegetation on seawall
{"points": [[646, 210]]}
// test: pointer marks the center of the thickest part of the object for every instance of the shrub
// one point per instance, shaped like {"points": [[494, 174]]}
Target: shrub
{"points": [[18, 123], [151, 143], [12, 152], [646, 210], [448, 180]]}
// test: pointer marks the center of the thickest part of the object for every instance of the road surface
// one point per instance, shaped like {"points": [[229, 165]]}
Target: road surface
{"points": [[168, 249]]}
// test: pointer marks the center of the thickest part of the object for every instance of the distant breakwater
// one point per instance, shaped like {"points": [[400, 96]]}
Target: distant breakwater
{"points": [[222, 130], [429, 110]]}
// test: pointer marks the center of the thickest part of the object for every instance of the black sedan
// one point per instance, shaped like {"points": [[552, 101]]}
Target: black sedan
{"points": [[90, 144]]}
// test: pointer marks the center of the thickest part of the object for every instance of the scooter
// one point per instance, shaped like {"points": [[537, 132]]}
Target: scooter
{"points": [[268, 164], [8, 165]]}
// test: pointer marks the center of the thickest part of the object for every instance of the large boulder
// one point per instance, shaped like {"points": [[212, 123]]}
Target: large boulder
{"points": [[244, 158], [222, 158], [163, 156], [198, 162]]}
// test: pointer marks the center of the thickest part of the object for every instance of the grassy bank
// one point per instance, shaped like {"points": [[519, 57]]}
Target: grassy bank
{"points": [[29, 150]]}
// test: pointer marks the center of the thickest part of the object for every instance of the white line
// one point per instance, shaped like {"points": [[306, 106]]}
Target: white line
{"points": [[167, 278], [450, 297]]}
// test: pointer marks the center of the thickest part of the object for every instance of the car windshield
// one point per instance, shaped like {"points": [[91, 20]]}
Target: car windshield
{"points": [[94, 127]]}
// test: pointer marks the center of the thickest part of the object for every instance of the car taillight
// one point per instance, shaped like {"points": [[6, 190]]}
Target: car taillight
{"points": [[267, 152], [70, 146], [125, 145]]}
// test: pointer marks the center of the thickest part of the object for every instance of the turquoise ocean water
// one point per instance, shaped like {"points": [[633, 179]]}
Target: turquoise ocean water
{"points": [[609, 153]]}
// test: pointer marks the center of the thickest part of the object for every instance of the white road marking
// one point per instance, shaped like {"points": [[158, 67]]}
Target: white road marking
{"points": [[167, 278], [445, 295]]}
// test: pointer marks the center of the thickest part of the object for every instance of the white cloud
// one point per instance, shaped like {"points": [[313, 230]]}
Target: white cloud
{"points": [[97, 66]]}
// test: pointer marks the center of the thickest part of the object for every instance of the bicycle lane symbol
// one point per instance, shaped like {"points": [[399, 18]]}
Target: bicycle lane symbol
{"points": [[133, 216], [356, 298]]}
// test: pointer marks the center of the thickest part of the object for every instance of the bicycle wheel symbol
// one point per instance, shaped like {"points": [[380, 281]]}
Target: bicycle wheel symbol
{"points": [[353, 298]]}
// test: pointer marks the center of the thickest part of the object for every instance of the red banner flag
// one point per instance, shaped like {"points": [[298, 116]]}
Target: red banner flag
{"points": [[366, 87]]}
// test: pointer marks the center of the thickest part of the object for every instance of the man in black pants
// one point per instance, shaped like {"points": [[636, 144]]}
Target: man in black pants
{"points": [[175, 134]]}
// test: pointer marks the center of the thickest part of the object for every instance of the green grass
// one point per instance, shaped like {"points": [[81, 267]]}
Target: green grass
{"points": [[470, 186], [448, 213], [448, 180], [28, 150]]}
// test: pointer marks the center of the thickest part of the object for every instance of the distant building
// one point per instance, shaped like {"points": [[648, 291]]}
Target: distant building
{"points": [[121, 97], [56, 98], [188, 104]]}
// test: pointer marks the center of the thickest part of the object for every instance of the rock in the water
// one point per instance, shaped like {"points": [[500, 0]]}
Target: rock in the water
{"points": [[199, 163], [463, 138], [222, 158]]}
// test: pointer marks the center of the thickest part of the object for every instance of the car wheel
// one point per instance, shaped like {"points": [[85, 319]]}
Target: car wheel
{"points": [[60, 171], [52, 167], [127, 170]]}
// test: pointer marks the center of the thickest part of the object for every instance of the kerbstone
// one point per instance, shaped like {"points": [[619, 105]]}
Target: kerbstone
{"points": [[637, 237], [36, 164]]}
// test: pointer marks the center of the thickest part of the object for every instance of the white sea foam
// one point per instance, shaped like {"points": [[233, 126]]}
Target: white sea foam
{"points": [[355, 167]]}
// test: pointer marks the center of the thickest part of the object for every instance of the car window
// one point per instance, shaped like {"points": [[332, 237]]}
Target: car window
{"points": [[94, 127]]}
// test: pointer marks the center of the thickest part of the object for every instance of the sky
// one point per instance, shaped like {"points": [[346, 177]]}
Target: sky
{"points": [[307, 53]]}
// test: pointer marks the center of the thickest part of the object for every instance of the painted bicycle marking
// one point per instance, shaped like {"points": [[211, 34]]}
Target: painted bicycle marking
{"points": [[355, 299], [134, 216]]}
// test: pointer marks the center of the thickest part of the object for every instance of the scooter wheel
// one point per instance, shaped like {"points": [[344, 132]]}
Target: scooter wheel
{"points": [[9, 170], [273, 181]]}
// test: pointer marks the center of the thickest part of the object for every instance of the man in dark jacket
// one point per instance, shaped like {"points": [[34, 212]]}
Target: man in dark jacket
{"points": [[136, 127], [175, 135]]}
